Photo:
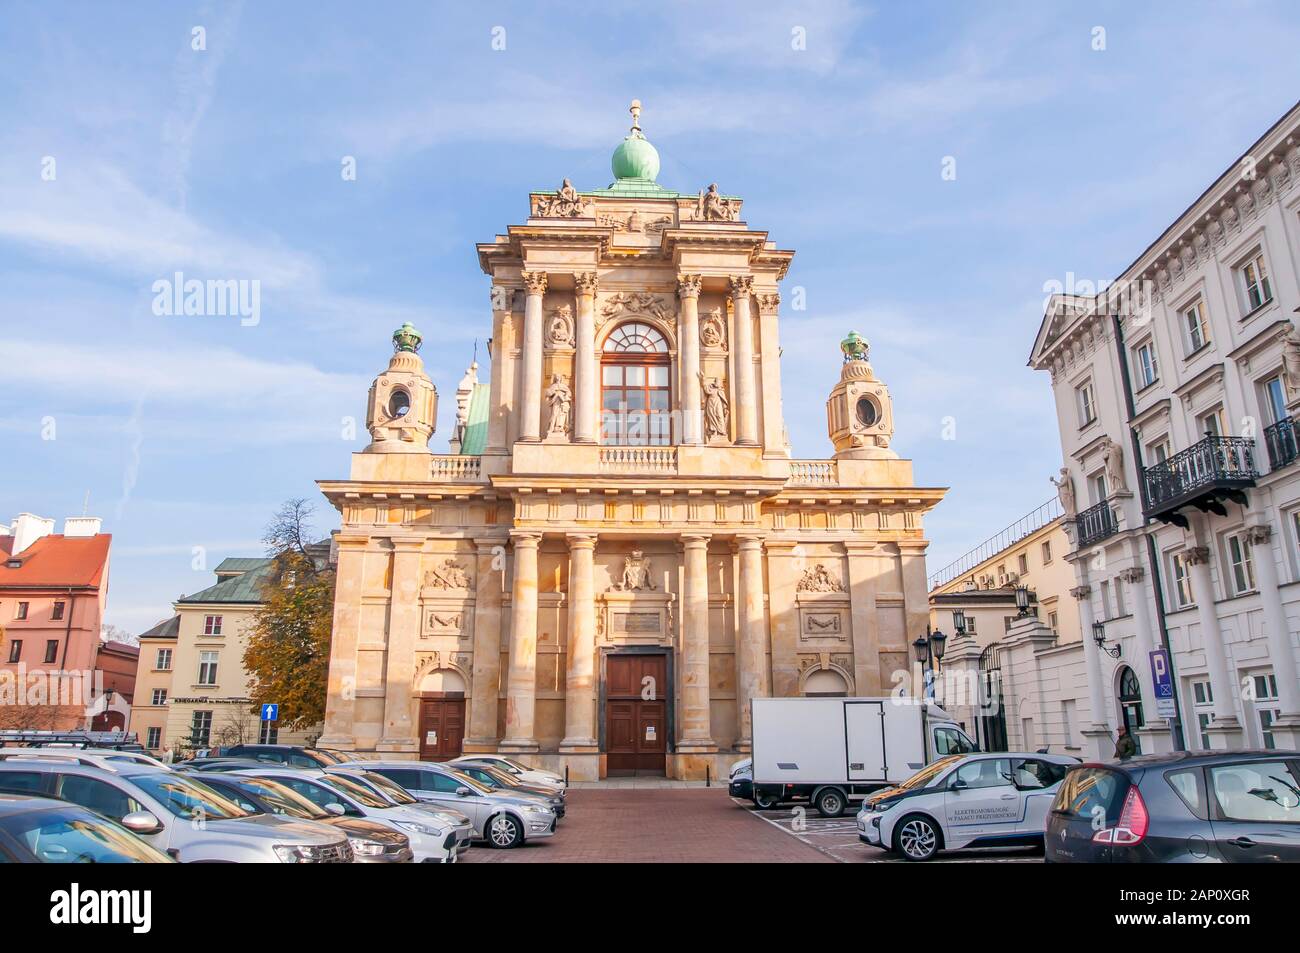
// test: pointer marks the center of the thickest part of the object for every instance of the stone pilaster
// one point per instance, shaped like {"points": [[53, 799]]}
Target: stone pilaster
{"points": [[695, 731], [774, 437], [586, 367], [688, 344], [403, 630], [1225, 732], [1280, 649], [782, 580], [530, 411], [863, 626], [340, 693], [746, 402], [751, 641], [521, 679], [580, 674], [485, 686], [1100, 720], [502, 361]]}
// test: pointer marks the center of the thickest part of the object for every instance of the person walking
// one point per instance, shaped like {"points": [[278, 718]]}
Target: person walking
{"points": [[1125, 746]]}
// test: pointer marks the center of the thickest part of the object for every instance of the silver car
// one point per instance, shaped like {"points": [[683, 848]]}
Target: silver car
{"points": [[174, 812], [433, 838], [501, 819], [400, 797]]}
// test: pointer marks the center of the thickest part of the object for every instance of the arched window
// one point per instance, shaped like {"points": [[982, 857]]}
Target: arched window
{"points": [[635, 389], [1130, 702]]}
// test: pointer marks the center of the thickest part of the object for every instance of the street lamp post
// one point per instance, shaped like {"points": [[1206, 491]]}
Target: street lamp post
{"points": [[929, 648]]}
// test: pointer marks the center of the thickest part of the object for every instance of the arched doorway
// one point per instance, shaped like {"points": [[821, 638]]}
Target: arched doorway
{"points": [[825, 683], [635, 387], [1130, 703], [442, 714]]}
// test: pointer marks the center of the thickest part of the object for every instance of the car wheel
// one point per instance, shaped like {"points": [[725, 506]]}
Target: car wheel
{"points": [[830, 803], [916, 837], [765, 801], [504, 831]]}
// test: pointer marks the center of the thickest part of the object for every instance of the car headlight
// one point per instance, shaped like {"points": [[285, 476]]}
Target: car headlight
{"points": [[297, 853], [366, 848], [425, 829], [537, 808]]}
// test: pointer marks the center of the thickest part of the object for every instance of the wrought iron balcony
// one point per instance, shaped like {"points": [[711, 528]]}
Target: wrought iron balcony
{"points": [[1096, 523], [1280, 439], [1202, 476]]}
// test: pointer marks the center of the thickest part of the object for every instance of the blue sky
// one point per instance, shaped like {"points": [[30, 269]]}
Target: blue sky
{"points": [[225, 163]]}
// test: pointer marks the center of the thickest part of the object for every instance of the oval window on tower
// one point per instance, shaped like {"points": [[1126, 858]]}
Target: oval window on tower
{"points": [[867, 413], [399, 404]]}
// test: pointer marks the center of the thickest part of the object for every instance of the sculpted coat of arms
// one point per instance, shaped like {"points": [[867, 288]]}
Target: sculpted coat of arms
{"points": [[636, 573]]}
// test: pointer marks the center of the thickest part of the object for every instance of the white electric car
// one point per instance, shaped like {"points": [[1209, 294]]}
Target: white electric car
{"points": [[988, 799]]}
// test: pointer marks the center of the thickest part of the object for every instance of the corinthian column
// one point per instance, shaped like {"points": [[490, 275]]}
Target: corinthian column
{"points": [[742, 287], [530, 410], [688, 343], [751, 667], [586, 368], [521, 678], [580, 677], [694, 734], [1225, 732]]}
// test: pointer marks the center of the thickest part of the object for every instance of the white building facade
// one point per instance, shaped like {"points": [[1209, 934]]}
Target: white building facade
{"points": [[1175, 393]]}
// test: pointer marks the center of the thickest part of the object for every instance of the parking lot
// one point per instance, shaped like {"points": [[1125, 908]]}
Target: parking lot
{"points": [[685, 825]]}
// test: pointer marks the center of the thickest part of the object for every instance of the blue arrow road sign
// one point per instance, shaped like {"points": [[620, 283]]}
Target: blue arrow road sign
{"points": [[270, 712]]}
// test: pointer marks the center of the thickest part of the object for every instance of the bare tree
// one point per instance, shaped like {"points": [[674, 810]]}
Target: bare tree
{"points": [[112, 633], [290, 531]]}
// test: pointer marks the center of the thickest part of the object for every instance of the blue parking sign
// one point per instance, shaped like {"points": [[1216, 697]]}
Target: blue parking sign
{"points": [[1162, 682], [270, 712]]}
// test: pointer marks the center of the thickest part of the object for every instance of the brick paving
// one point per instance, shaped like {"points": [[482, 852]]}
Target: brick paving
{"points": [[666, 825]]}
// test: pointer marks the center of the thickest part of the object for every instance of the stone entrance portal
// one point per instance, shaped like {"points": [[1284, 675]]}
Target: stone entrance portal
{"points": [[635, 726]]}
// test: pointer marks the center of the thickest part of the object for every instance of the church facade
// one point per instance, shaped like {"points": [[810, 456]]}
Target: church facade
{"points": [[622, 553]]}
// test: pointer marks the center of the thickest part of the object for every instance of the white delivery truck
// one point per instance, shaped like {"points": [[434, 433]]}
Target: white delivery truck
{"points": [[829, 751]]}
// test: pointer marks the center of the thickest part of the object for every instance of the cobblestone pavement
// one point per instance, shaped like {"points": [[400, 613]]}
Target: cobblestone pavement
{"points": [[656, 825], [620, 824]]}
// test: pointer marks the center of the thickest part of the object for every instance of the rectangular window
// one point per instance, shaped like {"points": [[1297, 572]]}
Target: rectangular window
{"points": [[1267, 710], [1241, 564], [1052, 621], [20, 611], [1275, 400], [1182, 587], [212, 625], [1158, 452], [1023, 561], [15, 650], [1144, 364], [160, 696], [1098, 483], [1047, 552], [1087, 404], [1203, 703], [1198, 332], [1211, 424], [164, 660], [51, 651], [970, 625], [201, 729], [57, 612], [1254, 282], [207, 668], [153, 738]]}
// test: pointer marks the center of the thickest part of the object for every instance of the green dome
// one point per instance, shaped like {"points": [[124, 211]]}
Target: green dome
{"points": [[635, 158]]}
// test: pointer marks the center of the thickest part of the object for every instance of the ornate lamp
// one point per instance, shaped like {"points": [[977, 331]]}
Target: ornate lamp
{"points": [[959, 621], [1099, 636]]}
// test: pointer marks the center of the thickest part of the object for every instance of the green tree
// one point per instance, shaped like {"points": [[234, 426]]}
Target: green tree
{"points": [[289, 645]]}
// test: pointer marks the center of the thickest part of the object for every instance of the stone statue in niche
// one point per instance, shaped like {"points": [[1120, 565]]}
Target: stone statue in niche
{"points": [[559, 397], [1291, 361], [717, 410], [818, 579], [713, 330], [1065, 490], [559, 332], [1112, 456], [636, 573], [449, 575]]}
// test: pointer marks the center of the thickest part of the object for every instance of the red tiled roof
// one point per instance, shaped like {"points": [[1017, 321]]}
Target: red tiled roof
{"points": [[57, 560]]}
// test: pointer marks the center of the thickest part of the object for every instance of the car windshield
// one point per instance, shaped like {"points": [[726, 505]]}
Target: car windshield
{"points": [[928, 773], [187, 798], [283, 800], [355, 790], [474, 784], [340, 757], [386, 786], [69, 836], [516, 765], [501, 777]]}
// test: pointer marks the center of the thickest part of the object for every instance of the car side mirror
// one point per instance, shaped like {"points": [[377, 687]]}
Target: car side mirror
{"points": [[957, 784], [142, 822], [463, 791], [335, 808]]}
